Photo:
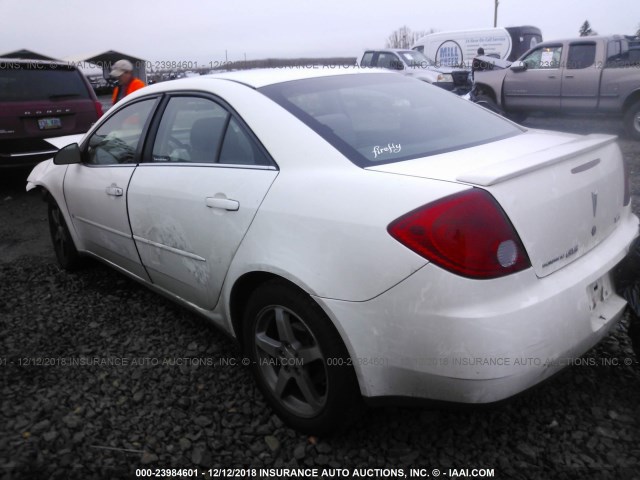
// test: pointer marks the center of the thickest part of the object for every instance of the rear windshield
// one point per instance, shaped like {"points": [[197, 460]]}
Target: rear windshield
{"points": [[37, 81], [383, 118]]}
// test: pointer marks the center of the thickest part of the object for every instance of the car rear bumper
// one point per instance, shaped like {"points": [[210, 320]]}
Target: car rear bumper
{"points": [[12, 161], [25, 153], [443, 337]]}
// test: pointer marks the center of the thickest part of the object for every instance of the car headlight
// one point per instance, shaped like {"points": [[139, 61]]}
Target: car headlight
{"points": [[445, 77]]}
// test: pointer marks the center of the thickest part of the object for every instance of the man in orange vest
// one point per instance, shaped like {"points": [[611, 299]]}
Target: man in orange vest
{"points": [[127, 83]]}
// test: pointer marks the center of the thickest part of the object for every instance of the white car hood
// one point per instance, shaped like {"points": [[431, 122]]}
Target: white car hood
{"points": [[40, 170], [60, 142]]}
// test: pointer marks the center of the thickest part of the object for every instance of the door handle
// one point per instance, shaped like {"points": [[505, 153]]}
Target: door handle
{"points": [[551, 76], [223, 203], [568, 76], [114, 190]]}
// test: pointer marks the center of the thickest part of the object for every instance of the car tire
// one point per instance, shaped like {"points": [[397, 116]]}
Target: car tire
{"points": [[489, 103], [632, 121], [299, 360], [634, 334], [65, 250]]}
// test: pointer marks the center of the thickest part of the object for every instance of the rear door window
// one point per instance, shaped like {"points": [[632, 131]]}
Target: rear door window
{"points": [[199, 130], [190, 131], [389, 60], [581, 55]]}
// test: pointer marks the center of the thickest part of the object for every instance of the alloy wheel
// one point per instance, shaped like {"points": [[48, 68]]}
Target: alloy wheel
{"points": [[291, 361]]}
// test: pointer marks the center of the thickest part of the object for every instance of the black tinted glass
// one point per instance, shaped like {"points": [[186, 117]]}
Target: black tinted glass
{"points": [[36, 81], [116, 141], [581, 55], [383, 118]]}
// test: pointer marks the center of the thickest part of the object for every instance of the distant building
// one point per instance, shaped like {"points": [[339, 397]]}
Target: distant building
{"points": [[106, 59], [28, 54]]}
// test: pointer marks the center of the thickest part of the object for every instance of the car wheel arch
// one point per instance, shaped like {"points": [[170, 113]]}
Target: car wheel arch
{"points": [[240, 292], [51, 198], [242, 289], [630, 116], [311, 335], [482, 89], [64, 244], [248, 282], [631, 99]]}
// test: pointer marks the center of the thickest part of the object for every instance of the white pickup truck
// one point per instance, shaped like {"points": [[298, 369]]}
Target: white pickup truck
{"points": [[580, 75], [415, 64]]}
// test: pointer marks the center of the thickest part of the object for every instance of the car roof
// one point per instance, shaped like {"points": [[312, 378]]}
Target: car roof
{"points": [[591, 38], [257, 78], [393, 50]]}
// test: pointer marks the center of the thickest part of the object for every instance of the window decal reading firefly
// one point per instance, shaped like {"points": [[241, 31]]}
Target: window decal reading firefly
{"points": [[390, 148]]}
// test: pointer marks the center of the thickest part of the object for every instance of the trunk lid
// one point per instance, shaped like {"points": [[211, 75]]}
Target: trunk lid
{"points": [[563, 193], [40, 119]]}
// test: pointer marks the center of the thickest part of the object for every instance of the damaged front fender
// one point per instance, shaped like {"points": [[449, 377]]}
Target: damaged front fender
{"points": [[38, 174]]}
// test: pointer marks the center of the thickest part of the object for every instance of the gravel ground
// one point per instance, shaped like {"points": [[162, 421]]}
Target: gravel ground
{"points": [[176, 395]]}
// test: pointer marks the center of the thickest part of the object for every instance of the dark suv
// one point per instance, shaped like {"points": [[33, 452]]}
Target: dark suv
{"points": [[38, 100]]}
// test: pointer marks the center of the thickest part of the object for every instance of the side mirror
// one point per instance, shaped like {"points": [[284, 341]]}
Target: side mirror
{"points": [[68, 155], [518, 66]]}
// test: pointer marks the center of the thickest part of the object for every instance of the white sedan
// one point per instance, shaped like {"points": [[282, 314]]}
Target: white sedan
{"points": [[361, 234]]}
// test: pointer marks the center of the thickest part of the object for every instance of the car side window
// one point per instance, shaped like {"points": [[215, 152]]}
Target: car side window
{"points": [[367, 59], [199, 130], [389, 60], [544, 58], [239, 149], [581, 55], [116, 140], [191, 131]]}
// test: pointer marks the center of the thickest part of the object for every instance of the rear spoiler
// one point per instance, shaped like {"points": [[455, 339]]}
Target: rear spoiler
{"points": [[535, 161]]}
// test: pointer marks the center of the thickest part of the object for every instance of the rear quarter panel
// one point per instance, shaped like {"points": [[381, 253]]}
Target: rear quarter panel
{"points": [[326, 231], [323, 223], [617, 85]]}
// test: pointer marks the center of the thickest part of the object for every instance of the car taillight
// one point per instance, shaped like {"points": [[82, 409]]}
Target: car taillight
{"points": [[627, 186], [98, 108], [466, 233]]}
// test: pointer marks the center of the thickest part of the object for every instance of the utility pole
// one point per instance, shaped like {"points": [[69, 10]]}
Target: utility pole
{"points": [[495, 15]]}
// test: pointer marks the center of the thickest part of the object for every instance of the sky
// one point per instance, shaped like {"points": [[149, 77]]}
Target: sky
{"points": [[215, 31]]}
